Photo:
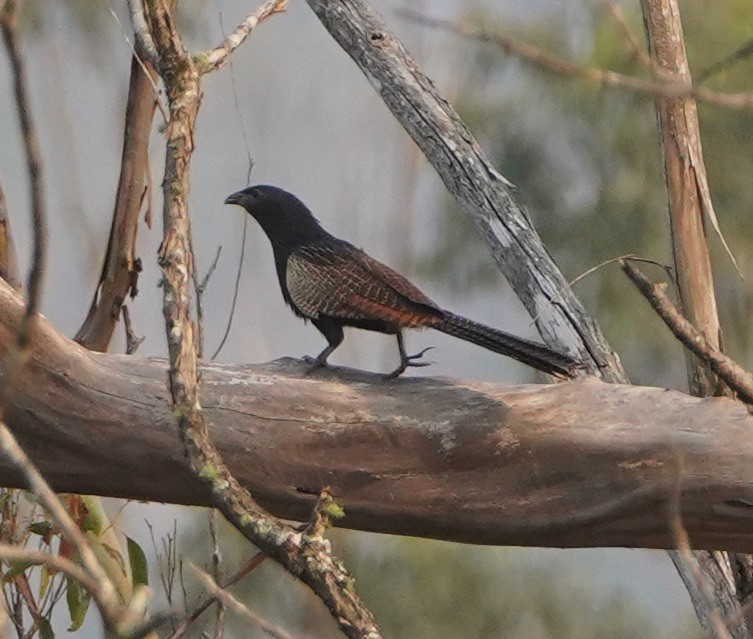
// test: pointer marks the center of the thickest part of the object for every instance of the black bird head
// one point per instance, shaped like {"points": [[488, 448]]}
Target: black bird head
{"points": [[286, 220]]}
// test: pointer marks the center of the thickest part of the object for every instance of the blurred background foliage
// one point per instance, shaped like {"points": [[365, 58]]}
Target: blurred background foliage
{"points": [[586, 162], [422, 589]]}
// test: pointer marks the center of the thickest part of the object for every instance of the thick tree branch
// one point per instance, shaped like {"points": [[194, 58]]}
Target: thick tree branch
{"points": [[575, 464]]}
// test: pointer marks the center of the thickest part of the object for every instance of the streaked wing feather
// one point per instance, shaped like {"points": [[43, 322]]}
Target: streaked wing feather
{"points": [[342, 281]]}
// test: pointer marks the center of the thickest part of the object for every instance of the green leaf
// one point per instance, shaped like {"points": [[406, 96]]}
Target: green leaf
{"points": [[139, 567], [44, 581], [16, 568], [94, 518], [78, 600], [45, 629]]}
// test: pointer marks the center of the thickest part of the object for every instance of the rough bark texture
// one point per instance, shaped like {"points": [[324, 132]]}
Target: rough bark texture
{"points": [[578, 464], [686, 182], [484, 194], [689, 199]]}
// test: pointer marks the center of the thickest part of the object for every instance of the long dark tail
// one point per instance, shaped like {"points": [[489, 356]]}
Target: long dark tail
{"points": [[536, 355]]}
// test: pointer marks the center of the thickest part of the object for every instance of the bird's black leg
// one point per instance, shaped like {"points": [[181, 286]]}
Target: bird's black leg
{"points": [[334, 334], [407, 360]]}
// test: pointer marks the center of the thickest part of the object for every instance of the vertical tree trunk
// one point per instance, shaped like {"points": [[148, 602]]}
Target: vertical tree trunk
{"points": [[689, 199]]}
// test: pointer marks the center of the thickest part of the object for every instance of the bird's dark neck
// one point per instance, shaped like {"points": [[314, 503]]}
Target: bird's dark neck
{"points": [[289, 230]]}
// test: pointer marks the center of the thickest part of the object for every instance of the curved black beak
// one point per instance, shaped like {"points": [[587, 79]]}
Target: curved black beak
{"points": [[235, 198]]}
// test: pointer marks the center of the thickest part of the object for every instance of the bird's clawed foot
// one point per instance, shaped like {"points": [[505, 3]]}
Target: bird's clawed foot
{"points": [[313, 364], [407, 360]]}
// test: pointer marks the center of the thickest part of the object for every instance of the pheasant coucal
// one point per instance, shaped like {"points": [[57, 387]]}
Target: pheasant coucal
{"points": [[334, 284]]}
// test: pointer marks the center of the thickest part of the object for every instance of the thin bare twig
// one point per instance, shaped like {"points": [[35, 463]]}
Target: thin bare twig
{"points": [[199, 288], [215, 58], [593, 269], [15, 554], [618, 16], [602, 77], [251, 565], [8, 22], [734, 375], [133, 341], [742, 52], [236, 289], [216, 571], [231, 602], [148, 71], [244, 133]]}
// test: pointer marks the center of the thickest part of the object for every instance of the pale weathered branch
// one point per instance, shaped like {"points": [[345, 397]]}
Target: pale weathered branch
{"points": [[574, 464], [734, 375], [483, 193], [144, 47], [215, 58], [687, 186]]}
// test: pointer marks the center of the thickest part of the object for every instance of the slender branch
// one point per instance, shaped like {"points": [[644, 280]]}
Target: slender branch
{"points": [[741, 53], [15, 554], [144, 43], [215, 58], [222, 595], [216, 571], [121, 267], [734, 375], [251, 565], [236, 291], [602, 77], [133, 341], [615, 10], [8, 23]]}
